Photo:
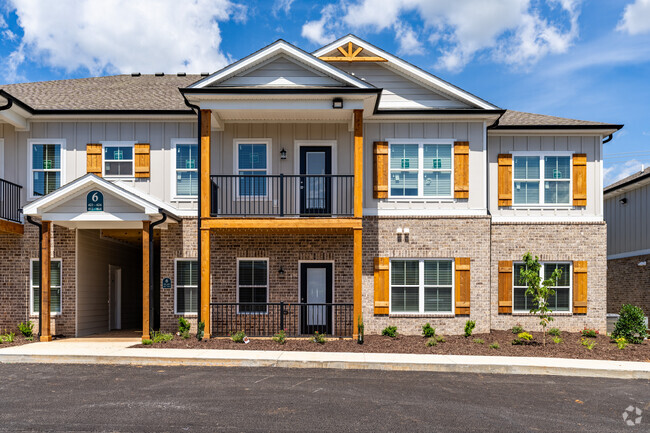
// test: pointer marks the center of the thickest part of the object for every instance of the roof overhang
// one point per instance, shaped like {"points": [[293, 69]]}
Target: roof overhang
{"points": [[630, 185], [603, 130], [61, 208]]}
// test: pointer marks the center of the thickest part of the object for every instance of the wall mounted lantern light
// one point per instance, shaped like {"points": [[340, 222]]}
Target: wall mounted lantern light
{"points": [[337, 103], [283, 154]]}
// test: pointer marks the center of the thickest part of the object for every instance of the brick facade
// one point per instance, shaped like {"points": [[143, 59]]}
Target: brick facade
{"points": [[553, 242], [628, 283]]}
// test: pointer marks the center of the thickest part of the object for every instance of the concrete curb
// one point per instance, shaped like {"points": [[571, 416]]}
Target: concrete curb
{"points": [[356, 361]]}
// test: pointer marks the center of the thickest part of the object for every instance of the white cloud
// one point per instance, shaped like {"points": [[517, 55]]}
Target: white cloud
{"points": [[122, 35], [618, 171], [408, 40], [316, 31], [510, 31], [282, 5], [636, 18]]}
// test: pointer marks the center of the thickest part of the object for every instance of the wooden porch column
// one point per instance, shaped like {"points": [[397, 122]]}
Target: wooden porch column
{"points": [[46, 333], [145, 281], [204, 212], [358, 213], [356, 271]]}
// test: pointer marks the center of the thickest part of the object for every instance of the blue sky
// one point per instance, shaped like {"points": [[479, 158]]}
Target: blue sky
{"points": [[573, 58]]}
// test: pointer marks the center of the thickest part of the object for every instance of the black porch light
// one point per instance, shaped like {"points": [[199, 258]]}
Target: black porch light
{"points": [[337, 103], [281, 271], [283, 154]]}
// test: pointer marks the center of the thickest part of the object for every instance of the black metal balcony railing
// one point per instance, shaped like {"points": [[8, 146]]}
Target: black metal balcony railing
{"points": [[282, 195], [265, 319], [10, 201]]}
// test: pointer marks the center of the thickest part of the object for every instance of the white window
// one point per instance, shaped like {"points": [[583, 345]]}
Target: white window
{"points": [[421, 286], [55, 286], [185, 178], [46, 166], [252, 159], [542, 179], [561, 301], [252, 284], [422, 169], [187, 286], [118, 158]]}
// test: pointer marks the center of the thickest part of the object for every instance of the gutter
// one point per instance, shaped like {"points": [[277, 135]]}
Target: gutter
{"points": [[40, 265], [151, 265]]}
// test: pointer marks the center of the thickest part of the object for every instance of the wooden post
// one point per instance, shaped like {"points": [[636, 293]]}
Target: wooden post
{"points": [[145, 281], [204, 212], [358, 163], [46, 333], [356, 278]]}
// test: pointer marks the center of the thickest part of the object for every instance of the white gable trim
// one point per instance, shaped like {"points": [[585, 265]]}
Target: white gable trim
{"points": [[404, 66], [276, 48]]}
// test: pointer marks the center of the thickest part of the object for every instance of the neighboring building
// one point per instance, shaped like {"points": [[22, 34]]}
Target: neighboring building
{"points": [[332, 185], [628, 242]]}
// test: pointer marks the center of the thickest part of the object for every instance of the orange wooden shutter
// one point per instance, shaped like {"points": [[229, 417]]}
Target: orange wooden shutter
{"points": [[505, 179], [505, 287], [580, 179], [579, 287], [94, 158], [462, 285], [380, 169], [381, 285], [461, 169], [141, 151]]}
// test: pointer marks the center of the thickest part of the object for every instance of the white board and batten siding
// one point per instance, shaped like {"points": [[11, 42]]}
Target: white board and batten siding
{"points": [[628, 230], [589, 145]]}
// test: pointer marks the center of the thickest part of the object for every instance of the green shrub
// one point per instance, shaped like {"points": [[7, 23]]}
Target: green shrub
{"points": [[631, 325], [360, 328], [518, 342], [280, 337], [479, 340], [469, 327], [27, 329], [555, 332], [147, 342], [440, 338], [161, 337], [200, 327], [621, 342], [589, 344], [238, 337], [390, 331], [590, 333], [431, 342], [557, 340], [494, 345], [428, 331], [318, 338], [8, 337], [517, 329], [183, 327], [525, 336]]}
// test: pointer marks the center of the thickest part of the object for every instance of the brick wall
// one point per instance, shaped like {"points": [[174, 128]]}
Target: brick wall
{"points": [[429, 237], [554, 242], [628, 283]]}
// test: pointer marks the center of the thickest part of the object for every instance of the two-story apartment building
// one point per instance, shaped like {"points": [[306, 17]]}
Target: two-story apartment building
{"points": [[292, 190]]}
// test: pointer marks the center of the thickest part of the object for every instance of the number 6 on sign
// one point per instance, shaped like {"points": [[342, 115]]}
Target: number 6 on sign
{"points": [[95, 201]]}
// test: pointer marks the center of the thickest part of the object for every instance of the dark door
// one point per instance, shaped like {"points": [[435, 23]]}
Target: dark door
{"points": [[315, 293], [315, 180]]}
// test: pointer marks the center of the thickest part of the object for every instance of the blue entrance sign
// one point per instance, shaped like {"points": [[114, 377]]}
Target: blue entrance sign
{"points": [[167, 283], [95, 201]]}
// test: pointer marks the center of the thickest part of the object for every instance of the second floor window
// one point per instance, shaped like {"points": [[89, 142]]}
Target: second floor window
{"points": [[186, 170], [540, 179], [118, 160], [46, 168], [420, 170], [252, 160]]}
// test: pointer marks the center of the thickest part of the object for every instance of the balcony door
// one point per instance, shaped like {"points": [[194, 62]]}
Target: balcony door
{"points": [[315, 185]]}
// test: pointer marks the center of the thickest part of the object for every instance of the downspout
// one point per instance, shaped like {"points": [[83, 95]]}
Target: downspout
{"points": [[40, 266], [198, 204], [151, 264]]}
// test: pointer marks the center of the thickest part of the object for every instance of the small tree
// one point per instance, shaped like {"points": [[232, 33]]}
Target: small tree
{"points": [[539, 290]]}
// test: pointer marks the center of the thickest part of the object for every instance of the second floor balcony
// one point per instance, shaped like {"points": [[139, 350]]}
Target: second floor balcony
{"points": [[282, 195]]}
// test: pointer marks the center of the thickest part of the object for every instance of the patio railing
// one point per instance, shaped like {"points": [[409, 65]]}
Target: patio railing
{"points": [[10, 201]]}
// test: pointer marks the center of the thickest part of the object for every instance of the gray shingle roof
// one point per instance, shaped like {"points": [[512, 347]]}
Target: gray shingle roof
{"points": [[520, 118], [117, 92], [639, 175]]}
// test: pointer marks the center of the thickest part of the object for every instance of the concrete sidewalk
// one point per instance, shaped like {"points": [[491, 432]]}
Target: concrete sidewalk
{"points": [[117, 351]]}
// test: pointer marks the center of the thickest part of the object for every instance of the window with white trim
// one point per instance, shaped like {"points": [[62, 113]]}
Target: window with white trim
{"points": [[252, 284], [561, 301], [46, 167], [252, 161], [421, 286], [118, 159], [55, 286], [187, 286], [541, 179], [421, 169], [186, 176]]}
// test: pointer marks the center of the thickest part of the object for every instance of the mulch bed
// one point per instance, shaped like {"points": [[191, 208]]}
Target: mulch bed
{"points": [[19, 340], [570, 346]]}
